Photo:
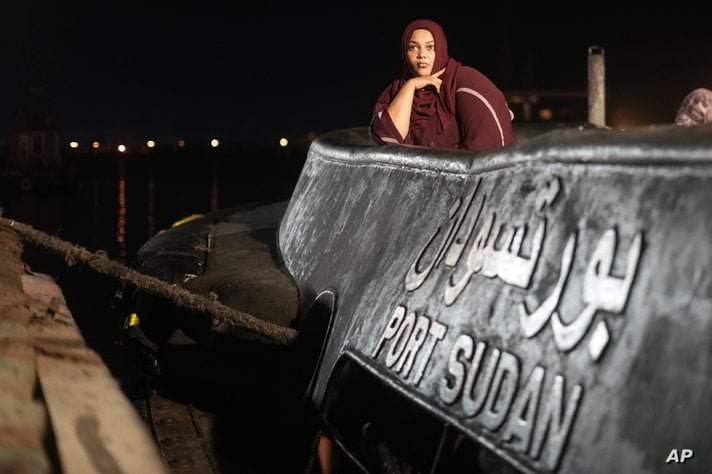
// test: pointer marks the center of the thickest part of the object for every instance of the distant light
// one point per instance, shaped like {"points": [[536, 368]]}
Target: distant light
{"points": [[150, 143], [121, 148], [73, 144], [283, 142], [214, 143], [96, 145], [181, 143], [545, 114]]}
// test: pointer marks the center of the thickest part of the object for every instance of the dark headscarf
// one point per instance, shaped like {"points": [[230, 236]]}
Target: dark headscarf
{"points": [[428, 103], [696, 108]]}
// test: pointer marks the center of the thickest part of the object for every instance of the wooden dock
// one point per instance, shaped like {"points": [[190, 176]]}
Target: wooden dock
{"points": [[61, 410]]}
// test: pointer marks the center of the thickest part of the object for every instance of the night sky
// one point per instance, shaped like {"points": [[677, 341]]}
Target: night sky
{"points": [[261, 71]]}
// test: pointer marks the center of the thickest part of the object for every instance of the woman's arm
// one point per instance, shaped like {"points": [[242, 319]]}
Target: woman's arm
{"points": [[391, 118], [382, 129], [400, 108], [402, 104], [483, 116], [482, 125]]}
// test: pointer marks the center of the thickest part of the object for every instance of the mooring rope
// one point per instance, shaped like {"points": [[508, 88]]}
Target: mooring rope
{"points": [[225, 319]]}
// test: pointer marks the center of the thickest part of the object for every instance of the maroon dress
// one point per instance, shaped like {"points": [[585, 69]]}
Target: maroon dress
{"points": [[468, 113]]}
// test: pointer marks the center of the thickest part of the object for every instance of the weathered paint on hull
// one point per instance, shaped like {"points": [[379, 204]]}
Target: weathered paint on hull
{"points": [[552, 299]]}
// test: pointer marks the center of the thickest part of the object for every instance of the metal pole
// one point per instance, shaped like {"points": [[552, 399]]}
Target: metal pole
{"points": [[596, 86]]}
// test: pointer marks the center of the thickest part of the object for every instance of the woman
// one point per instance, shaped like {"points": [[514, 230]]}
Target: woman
{"points": [[438, 102]]}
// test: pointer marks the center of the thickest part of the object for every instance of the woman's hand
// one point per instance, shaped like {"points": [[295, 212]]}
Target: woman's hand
{"points": [[420, 82], [402, 104]]}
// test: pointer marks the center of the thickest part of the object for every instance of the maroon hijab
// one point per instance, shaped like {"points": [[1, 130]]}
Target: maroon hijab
{"points": [[428, 103]]}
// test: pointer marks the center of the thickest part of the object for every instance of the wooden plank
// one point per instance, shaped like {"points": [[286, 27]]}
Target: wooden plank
{"points": [[95, 426], [183, 435]]}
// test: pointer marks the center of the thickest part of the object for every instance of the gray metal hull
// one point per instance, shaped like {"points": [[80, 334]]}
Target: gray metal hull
{"points": [[551, 300]]}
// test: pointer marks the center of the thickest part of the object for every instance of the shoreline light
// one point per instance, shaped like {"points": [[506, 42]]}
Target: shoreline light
{"points": [[150, 143], [121, 148], [214, 143], [73, 144]]}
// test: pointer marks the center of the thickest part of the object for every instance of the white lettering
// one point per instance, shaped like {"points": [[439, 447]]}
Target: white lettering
{"points": [[672, 457], [601, 290], [456, 369], [501, 395], [555, 424], [496, 256], [679, 456], [437, 331], [473, 400], [458, 245], [412, 342], [391, 328], [548, 194], [473, 263], [686, 454], [518, 433], [415, 277], [491, 397], [417, 337], [507, 261], [400, 340], [535, 321]]}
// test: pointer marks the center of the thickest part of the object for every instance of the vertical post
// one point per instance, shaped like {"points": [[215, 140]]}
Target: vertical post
{"points": [[596, 86]]}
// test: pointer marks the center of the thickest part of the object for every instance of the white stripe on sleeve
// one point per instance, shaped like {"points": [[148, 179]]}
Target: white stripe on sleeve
{"points": [[488, 105]]}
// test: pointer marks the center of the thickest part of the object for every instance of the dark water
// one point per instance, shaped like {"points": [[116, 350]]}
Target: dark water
{"points": [[115, 202]]}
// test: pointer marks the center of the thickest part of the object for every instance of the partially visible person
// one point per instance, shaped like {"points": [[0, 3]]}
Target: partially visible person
{"points": [[438, 102], [696, 108]]}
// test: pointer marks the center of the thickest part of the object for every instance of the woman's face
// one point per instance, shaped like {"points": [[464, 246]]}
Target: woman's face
{"points": [[421, 52]]}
